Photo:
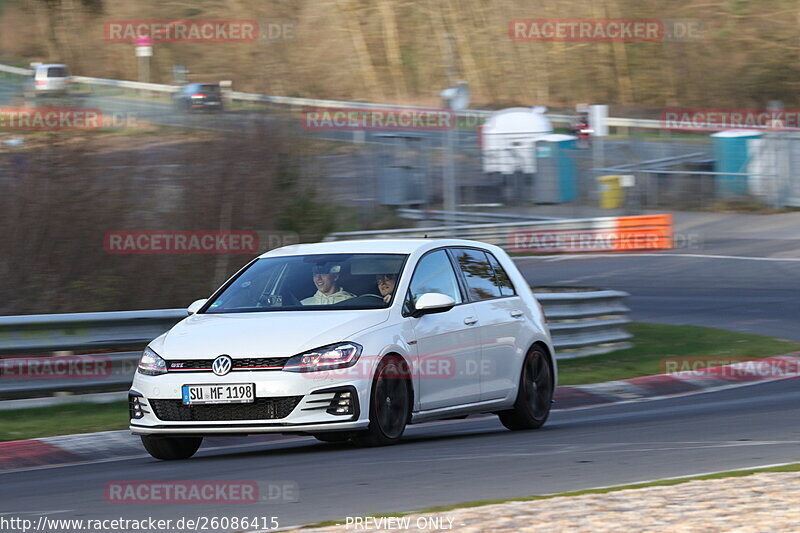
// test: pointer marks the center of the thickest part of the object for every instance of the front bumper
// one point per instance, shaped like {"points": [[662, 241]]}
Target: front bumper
{"points": [[286, 402]]}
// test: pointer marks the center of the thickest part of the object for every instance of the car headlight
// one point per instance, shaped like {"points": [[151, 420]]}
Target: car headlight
{"points": [[341, 355], [151, 363]]}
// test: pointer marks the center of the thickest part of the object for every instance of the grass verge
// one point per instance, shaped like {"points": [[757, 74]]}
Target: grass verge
{"points": [[794, 467], [653, 344], [62, 420]]}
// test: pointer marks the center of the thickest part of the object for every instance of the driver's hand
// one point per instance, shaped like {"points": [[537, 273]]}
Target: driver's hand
{"points": [[387, 298]]}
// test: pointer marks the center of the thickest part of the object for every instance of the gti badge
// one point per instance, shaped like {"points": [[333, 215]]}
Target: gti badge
{"points": [[222, 365]]}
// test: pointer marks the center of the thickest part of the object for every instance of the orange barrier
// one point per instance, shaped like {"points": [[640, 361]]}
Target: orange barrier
{"points": [[610, 234]]}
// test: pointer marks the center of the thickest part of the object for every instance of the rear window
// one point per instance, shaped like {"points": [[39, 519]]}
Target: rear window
{"points": [[501, 277], [479, 274], [57, 72], [210, 89]]}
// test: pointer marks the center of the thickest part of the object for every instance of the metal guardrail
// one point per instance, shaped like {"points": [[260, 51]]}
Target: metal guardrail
{"points": [[16, 70], [84, 331], [107, 372], [122, 84], [496, 233], [464, 217], [581, 323], [587, 322], [311, 102]]}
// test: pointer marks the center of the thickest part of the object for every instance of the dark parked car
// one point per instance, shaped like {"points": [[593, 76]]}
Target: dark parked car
{"points": [[206, 96]]}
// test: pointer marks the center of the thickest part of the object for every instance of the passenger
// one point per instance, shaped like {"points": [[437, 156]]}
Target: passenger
{"points": [[326, 280], [386, 284]]}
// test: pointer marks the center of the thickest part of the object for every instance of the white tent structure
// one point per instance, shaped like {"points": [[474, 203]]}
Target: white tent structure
{"points": [[509, 139]]}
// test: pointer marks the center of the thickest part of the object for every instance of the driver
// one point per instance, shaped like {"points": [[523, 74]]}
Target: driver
{"points": [[326, 280], [386, 284]]}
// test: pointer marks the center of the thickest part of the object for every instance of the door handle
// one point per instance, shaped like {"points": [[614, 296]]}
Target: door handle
{"points": [[516, 314], [470, 320]]}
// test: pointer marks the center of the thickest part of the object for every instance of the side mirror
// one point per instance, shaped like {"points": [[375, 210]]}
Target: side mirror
{"points": [[432, 302], [196, 305]]}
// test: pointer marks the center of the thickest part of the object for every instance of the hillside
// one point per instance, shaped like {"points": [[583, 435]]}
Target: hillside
{"points": [[405, 51]]}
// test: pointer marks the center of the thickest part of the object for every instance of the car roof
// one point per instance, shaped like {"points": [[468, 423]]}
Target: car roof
{"points": [[48, 65], [381, 246]]}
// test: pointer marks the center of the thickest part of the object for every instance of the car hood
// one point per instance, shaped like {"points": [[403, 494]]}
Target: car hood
{"points": [[266, 334]]}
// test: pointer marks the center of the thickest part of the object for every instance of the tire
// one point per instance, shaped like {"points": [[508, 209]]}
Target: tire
{"points": [[333, 436], [171, 448], [389, 405], [535, 393]]}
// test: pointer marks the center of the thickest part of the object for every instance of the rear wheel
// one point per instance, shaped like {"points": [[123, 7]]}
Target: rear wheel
{"points": [[535, 394], [389, 406], [171, 448]]}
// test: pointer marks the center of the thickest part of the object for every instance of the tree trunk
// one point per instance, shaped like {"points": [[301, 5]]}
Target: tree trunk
{"points": [[370, 77]]}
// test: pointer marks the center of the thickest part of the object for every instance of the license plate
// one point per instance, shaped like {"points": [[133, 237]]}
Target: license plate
{"points": [[227, 393]]}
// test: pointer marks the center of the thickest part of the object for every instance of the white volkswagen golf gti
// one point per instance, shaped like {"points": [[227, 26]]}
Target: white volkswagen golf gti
{"points": [[352, 341]]}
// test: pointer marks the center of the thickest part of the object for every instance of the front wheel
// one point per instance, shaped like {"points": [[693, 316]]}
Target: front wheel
{"points": [[535, 394], [389, 406], [171, 448]]}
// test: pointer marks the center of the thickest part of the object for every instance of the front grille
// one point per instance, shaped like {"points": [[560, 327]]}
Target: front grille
{"points": [[261, 409], [257, 363]]}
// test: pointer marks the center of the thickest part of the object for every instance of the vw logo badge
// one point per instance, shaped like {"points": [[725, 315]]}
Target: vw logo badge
{"points": [[222, 365]]}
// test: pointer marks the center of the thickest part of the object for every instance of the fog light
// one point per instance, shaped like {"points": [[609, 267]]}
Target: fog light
{"points": [[342, 404], [136, 408]]}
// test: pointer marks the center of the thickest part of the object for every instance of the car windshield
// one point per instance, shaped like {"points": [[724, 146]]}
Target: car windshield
{"points": [[312, 282]]}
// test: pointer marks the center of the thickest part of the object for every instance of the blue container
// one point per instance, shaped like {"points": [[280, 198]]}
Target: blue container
{"points": [[556, 170], [732, 153]]}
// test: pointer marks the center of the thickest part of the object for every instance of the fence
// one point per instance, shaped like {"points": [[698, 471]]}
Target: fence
{"points": [[581, 323], [604, 234], [373, 170]]}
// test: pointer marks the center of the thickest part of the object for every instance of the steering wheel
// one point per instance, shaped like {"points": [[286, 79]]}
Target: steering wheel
{"points": [[289, 299]]}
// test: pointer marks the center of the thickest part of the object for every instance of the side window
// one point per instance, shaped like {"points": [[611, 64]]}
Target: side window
{"points": [[435, 273], [478, 272], [501, 278]]}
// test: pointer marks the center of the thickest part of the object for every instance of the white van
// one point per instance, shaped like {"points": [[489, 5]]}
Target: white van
{"points": [[52, 79]]}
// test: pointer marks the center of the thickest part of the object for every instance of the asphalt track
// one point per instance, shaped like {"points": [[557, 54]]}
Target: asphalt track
{"points": [[748, 294], [449, 462]]}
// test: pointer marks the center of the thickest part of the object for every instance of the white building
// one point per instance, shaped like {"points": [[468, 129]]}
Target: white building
{"points": [[508, 139]]}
